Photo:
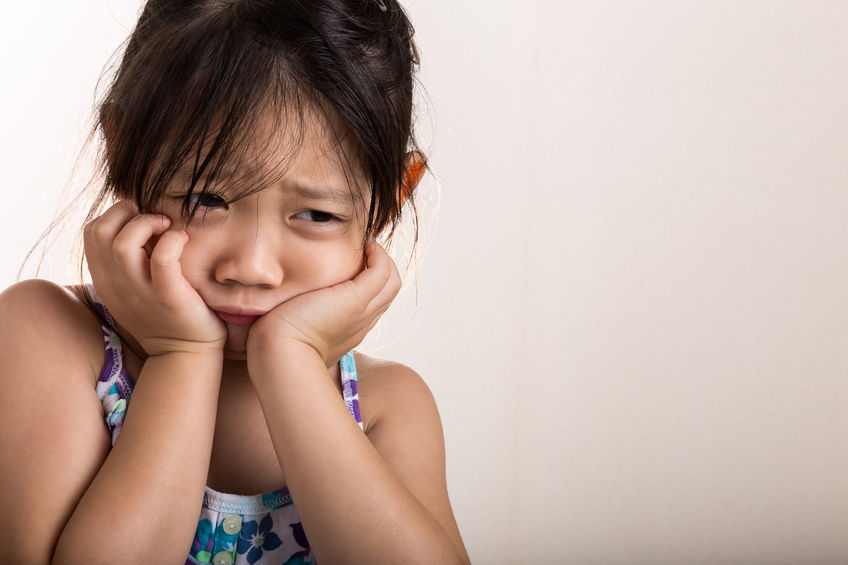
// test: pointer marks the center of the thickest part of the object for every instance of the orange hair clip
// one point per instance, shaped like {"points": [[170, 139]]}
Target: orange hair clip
{"points": [[413, 176]]}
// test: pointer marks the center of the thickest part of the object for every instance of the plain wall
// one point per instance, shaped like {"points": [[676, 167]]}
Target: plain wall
{"points": [[632, 308]]}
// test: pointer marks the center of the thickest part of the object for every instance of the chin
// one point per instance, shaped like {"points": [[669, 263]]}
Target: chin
{"points": [[235, 355], [236, 346]]}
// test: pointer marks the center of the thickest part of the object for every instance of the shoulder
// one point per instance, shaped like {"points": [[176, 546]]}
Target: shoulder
{"points": [[51, 419], [403, 424], [388, 389], [399, 410], [39, 314]]}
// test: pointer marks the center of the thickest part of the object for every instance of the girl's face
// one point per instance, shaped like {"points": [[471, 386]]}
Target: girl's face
{"points": [[244, 257]]}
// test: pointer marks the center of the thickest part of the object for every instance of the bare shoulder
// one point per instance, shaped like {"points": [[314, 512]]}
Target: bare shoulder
{"points": [[38, 312], [403, 424], [51, 420], [387, 387]]}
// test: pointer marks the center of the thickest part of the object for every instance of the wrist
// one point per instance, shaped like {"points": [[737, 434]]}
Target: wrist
{"points": [[200, 349], [185, 366], [199, 356], [280, 357]]}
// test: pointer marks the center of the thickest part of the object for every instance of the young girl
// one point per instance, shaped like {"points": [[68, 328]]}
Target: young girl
{"points": [[252, 150]]}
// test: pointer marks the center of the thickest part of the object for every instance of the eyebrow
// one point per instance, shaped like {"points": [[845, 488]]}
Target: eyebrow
{"points": [[322, 193]]}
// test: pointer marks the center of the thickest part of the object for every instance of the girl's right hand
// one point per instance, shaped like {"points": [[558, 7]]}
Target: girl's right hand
{"points": [[147, 294]]}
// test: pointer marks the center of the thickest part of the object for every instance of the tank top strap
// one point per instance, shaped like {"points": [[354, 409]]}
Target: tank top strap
{"points": [[350, 386], [114, 387]]}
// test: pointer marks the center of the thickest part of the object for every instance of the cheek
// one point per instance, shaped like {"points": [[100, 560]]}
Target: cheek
{"points": [[327, 266], [351, 264]]}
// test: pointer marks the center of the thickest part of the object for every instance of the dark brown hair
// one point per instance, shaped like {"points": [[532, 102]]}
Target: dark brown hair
{"points": [[200, 78]]}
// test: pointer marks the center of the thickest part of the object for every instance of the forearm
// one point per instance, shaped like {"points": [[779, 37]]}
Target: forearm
{"points": [[148, 493], [353, 507]]}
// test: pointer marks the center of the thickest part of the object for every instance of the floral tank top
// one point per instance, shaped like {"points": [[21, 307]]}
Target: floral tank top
{"points": [[232, 529]]}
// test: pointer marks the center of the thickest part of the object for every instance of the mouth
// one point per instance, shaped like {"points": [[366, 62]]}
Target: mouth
{"points": [[240, 319]]}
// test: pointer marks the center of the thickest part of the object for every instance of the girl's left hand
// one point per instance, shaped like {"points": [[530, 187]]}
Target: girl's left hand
{"points": [[331, 320]]}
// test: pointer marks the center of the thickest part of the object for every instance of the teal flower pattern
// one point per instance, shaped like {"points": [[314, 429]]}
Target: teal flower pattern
{"points": [[201, 549]]}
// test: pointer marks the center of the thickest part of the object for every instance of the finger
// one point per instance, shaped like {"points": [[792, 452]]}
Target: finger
{"points": [[374, 321], [129, 243], [108, 224], [165, 270], [99, 234], [380, 281], [390, 289], [388, 293]]}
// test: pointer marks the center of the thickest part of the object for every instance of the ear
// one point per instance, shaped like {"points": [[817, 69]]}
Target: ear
{"points": [[415, 168]]}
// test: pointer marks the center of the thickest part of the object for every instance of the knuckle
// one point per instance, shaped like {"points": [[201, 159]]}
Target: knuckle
{"points": [[161, 259], [98, 229], [395, 285], [121, 246], [153, 220], [140, 219], [165, 253]]}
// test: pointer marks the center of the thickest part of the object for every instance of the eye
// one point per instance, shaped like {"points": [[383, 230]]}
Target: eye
{"points": [[317, 216], [207, 200]]}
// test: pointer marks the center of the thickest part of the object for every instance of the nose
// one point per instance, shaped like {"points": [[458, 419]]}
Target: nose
{"points": [[249, 258]]}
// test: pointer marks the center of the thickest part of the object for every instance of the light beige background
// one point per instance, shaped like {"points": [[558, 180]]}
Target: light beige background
{"points": [[633, 312]]}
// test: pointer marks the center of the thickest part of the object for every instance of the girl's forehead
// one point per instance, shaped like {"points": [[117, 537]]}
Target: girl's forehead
{"points": [[319, 156], [310, 153], [314, 137]]}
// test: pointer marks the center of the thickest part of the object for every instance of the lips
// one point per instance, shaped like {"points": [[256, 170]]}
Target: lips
{"points": [[238, 318]]}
